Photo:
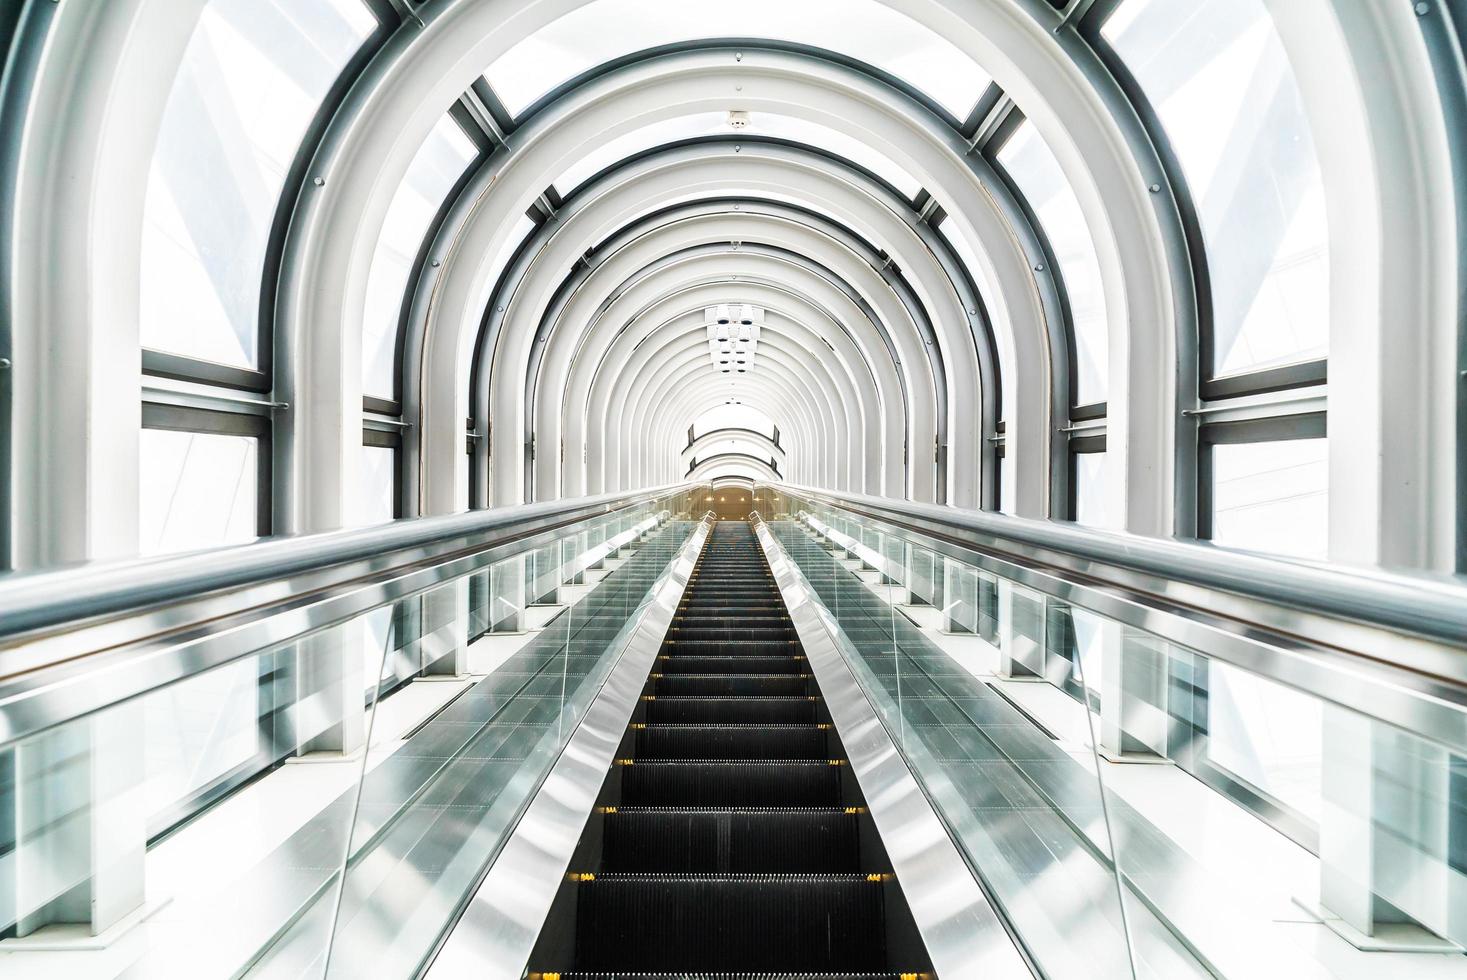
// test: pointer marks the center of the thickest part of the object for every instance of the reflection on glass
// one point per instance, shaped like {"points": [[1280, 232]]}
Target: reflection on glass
{"points": [[1272, 496], [769, 124], [1266, 735], [252, 76], [436, 167], [1090, 491], [196, 490], [861, 29], [1032, 166], [1219, 79]]}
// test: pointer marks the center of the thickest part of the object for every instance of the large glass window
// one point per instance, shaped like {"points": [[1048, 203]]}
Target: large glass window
{"points": [[437, 166], [252, 76], [861, 29], [967, 253], [1087, 489], [1219, 79], [1031, 165], [198, 489], [1271, 496], [500, 262]]}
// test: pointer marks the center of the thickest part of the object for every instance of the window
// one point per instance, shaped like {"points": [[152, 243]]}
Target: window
{"points": [[861, 29], [497, 267], [252, 77], [378, 500], [204, 479], [1030, 165], [967, 254], [1220, 82], [435, 169], [1088, 492], [1266, 486]]}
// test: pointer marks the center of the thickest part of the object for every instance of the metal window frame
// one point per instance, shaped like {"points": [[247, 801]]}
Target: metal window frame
{"points": [[1283, 428], [382, 439], [180, 418], [1077, 446]]}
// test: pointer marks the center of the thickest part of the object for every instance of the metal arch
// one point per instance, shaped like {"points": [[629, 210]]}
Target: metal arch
{"points": [[721, 458], [952, 160], [811, 406], [886, 418], [783, 385], [873, 414], [892, 277], [734, 432], [815, 389], [831, 283], [793, 342], [980, 327]]}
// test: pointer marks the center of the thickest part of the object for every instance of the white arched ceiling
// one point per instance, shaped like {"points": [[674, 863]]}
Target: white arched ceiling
{"points": [[1387, 158]]}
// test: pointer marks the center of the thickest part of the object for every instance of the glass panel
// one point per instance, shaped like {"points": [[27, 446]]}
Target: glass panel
{"points": [[862, 29], [1005, 485], [376, 498], [436, 167], [1219, 79], [1028, 161], [354, 862], [1090, 490], [1003, 329], [1266, 735], [1272, 496], [196, 490], [517, 236], [772, 125], [251, 79]]}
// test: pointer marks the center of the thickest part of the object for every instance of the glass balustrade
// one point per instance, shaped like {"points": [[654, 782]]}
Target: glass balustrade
{"points": [[324, 804], [1134, 806]]}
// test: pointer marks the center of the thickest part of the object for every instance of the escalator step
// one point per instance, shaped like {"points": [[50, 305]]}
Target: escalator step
{"points": [[767, 711], [727, 840], [732, 685], [729, 631], [743, 783], [740, 922], [713, 975], [733, 742], [751, 663]]}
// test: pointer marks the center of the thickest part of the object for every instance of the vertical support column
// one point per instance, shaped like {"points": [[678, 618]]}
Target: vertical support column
{"points": [[1021, 633], [329, 710], [445, 630], [1133, 694], [81, 823]]}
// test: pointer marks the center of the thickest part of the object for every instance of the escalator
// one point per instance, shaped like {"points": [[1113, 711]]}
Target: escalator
{"points": [[731, 836]]}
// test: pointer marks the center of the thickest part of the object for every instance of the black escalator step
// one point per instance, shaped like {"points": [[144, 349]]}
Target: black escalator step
{"points": [[769, 711], [752, 663], [733, 742], [732, 685], [802, 783], [810, 840], [741, 922], [712, 975], [729, 648]]}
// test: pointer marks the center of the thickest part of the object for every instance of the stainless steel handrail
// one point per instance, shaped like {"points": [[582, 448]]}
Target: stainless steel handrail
{"points": [[78, 640], [31, 601], [1386, 644]]}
